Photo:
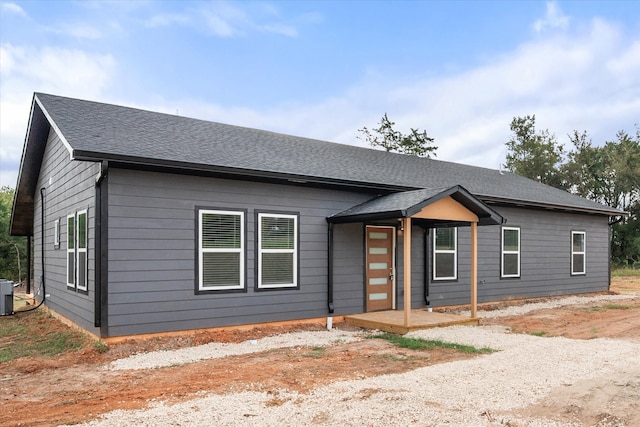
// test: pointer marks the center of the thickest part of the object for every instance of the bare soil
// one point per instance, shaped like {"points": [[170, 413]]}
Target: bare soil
{"points": [[74, 387]]}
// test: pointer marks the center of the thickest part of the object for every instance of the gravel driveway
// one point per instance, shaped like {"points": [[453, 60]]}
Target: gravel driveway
{"points": [[488, 390]]}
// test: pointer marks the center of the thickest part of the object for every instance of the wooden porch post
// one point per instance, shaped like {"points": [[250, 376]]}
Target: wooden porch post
{"points": [[474, 269], [407, 270]]}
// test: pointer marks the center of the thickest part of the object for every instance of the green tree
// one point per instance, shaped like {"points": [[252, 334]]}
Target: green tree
{"points": [[535, 155], [416, 143], [13, 253], [610, 175]]}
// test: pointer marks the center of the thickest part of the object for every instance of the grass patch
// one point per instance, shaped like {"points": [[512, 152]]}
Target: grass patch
{"points": [[423, 344], [610, 306], [36, 334], [625, 272], [539, 333], [316, 352]]}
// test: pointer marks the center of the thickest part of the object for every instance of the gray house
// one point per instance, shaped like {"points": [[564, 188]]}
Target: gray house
{"points": [[145, 222]]}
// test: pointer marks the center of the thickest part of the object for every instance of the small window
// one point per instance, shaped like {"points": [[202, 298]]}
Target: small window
{"points": [[81, 250], [56, 234], [510, 252], [578, 252], [71, 251], [221, 250], [445, 254], [277, 250]]}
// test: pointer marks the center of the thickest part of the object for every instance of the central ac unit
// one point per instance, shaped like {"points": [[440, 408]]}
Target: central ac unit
{"points": [[6, 297]]}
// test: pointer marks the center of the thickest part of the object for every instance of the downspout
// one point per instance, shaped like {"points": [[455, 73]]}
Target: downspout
{"points": [[42, 263], [611, 223], [28, 265], [426, 268], [330, 268], [99, 219]]}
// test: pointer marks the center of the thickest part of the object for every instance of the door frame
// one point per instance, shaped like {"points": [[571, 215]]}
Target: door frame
{"points": [[393, 263]]}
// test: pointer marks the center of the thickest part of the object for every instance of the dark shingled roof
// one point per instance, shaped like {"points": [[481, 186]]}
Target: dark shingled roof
{"points": [[97, 131]]}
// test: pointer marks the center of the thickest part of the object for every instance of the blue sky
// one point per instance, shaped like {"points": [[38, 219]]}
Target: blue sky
{"points": [[461, 70]]}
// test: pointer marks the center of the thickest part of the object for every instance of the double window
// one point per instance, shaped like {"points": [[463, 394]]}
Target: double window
{"points": [[77, 237], [221, 250], [445, 254], [578, 252], [510, 263]]}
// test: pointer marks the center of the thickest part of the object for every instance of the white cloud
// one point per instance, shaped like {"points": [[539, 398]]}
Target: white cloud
{"points": [[228, 20], [553, 19], [14, 8], [587, 80], [24, 70]]}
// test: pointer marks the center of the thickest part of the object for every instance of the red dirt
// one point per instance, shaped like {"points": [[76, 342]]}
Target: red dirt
{"points": [[74, 387]]}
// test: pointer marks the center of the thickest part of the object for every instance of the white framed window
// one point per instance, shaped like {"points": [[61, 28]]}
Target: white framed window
{"points": [[71, 251], [221, 254], [77, 244], [56, 234], [578, 252], [445, 253], [277, 250], [510, 265], [81, 250]]}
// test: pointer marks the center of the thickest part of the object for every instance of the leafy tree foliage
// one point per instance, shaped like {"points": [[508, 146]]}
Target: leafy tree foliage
{"points": [[13, 253], [533, 154], [608, 174], [416, 143]]}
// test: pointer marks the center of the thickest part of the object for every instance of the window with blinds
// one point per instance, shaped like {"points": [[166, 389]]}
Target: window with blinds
{"points": [[221, 250], [277, 250]]}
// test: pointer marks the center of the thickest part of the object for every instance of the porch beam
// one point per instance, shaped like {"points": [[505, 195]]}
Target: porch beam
{"points": [[407, 270], [474, 269]]}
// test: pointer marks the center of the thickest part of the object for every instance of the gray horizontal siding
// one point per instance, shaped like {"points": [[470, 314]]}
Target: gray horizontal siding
{"points": [[69, 187], [545, 259], [152, 268]]}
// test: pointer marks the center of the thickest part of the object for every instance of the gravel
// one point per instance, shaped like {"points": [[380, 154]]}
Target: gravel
{"points": [[475, 392]]}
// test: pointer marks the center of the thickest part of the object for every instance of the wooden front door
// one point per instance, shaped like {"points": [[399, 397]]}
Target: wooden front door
{"points": [[380, 271]]}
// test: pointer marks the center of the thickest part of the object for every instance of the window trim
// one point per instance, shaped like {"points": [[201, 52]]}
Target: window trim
{"points": [[445, 251], [84, 250], [242, 287], [56, 233], [504, 252], [71, 237], [583, 253], [295, 251]]}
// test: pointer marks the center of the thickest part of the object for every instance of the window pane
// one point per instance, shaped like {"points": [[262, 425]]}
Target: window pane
{"points": [[82, 270], [71, 268], [221, 231], [510, 265], [511, 240], [71, 232], [578, 242], [277, 268], [82, 230], [445, 239], [578, 263], [277, 232], [445, 265], [220, 269]]}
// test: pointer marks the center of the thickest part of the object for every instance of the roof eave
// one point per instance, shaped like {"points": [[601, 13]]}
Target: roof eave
{"points": [[553, 206]]}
